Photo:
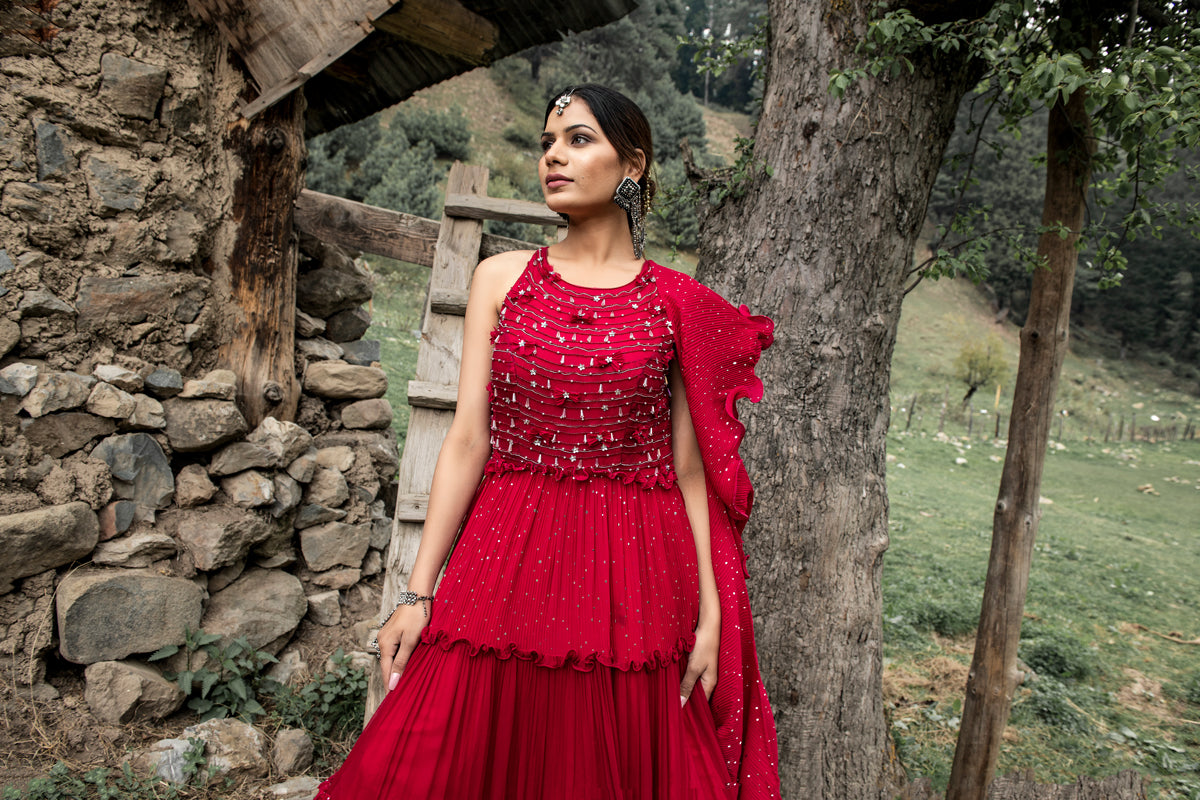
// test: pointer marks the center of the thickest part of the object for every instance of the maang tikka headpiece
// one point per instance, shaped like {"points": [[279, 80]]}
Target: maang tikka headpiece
{"points": [[563, 101]]}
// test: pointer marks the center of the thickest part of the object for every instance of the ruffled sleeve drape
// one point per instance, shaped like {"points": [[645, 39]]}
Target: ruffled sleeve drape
{"points": [[718, 346]]}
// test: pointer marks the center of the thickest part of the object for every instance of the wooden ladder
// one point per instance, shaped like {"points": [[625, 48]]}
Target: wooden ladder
{"points": [[460, 245]]}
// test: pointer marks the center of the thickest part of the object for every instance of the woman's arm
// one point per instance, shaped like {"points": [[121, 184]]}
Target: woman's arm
{"points": [[460, 463], [689, 473]]}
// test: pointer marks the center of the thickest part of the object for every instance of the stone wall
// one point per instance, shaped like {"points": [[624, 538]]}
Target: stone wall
{"points": [[135, 500]]}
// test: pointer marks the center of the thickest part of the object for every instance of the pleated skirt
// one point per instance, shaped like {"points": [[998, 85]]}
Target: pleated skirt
{"points": [[552, 663]]}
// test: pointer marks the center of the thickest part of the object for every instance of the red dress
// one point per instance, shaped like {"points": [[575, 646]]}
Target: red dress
{"points": [[552, 661]]}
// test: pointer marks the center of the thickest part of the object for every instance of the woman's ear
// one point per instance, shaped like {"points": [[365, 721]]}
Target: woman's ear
{"points": [[636, 167]]}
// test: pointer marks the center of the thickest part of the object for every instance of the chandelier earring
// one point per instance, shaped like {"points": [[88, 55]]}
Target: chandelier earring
{"points": [[629, 197]]}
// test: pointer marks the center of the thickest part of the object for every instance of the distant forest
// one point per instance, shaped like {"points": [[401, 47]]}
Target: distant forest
{"points": [[657, 54]]}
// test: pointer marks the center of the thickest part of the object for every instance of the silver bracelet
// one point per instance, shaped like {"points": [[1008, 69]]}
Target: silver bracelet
{"points": [[408, 599]]}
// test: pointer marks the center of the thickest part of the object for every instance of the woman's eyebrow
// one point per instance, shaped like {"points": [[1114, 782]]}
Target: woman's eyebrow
{"points": [[570, 128]]}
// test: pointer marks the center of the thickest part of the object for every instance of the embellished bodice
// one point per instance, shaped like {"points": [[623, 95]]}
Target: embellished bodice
{"points": [[579, 379]]}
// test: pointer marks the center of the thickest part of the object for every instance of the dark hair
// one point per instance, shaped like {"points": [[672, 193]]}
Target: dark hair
{"points": [[622, 122]]}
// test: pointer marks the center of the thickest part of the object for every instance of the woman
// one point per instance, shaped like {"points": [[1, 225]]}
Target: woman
{"points": [[597, 581]]}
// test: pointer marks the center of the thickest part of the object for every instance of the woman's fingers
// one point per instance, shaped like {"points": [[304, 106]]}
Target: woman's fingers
{"points": [[400, 662]]}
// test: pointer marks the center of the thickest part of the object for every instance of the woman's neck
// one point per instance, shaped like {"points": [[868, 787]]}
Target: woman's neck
{"points": [[594, 244]]}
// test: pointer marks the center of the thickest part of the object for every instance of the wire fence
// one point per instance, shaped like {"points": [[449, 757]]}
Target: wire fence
{"points": [[937, 413]]}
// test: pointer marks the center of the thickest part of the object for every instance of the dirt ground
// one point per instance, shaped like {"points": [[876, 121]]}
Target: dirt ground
{"points": [[37, 732]]}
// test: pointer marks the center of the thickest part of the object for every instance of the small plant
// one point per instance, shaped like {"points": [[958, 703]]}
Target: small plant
{"points": [[1053, 703], [100, 784], [1059, 655], [227, 684], [980, 363], [329, 707]]}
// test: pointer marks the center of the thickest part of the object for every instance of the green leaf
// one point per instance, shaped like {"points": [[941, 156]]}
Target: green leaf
{"points": [[208, 681], [164, 652]]}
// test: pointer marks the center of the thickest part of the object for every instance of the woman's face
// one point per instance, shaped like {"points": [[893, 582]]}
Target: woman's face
{"points": [[579, 169]]}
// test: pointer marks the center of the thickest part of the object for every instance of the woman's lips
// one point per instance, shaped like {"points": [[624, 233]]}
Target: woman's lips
{"points": [[554, 180]]}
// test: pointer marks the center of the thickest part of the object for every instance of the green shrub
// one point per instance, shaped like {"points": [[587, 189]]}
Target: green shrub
{"points": [[946, 616], [227, 684], [1059, 655], [523, 135], [448, 131], [61, 783], [1052, 702], [329, 707]]}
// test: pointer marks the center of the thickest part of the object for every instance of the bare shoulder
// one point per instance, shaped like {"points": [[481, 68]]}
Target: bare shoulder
{"points": [[495, 275]]}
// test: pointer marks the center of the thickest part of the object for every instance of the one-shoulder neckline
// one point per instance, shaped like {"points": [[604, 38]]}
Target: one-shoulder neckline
{"points": [[542, 257]]}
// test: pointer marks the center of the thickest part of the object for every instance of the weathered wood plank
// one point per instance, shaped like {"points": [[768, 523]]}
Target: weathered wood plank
{"points": [[412, 507], [423, 394], [261, 267], [278, 38], [443, 26], [448, 301], [438, 362], [500, 208], [382, 231], [368, 228]]}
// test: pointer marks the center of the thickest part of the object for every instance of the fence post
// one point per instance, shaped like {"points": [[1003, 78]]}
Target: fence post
{"points": [[911, 408]]}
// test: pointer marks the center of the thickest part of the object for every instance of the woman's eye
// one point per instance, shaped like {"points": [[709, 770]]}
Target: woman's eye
{"points": [[546, 144], [579, 138]]}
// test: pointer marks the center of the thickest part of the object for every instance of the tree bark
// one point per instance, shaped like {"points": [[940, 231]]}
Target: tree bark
{"points": [[261, 264], [993, 677], [823, 246]]}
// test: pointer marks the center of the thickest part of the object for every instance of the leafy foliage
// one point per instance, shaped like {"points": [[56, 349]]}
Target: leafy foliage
{"points": [[393, 166], [228, 681], [330, 707], [100, 784], [1059, 655], [1056, 704], [1141, 89], [980, 363]]}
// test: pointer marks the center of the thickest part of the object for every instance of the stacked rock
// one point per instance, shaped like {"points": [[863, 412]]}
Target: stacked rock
{"points": [[189, 517]]}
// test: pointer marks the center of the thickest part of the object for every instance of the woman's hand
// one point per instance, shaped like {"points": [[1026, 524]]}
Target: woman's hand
{"points": [[398, 638], [702, 662]]}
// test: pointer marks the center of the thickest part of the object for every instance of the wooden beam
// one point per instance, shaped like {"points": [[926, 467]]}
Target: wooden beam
{"points": [[444, 300], [283, 43], [424, 394], [368, 228], [443, 26], [382, 231], [412, 507], [499, 208], [261, 267]]}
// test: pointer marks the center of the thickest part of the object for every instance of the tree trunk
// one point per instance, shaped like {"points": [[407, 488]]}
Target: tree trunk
{"points": [[260, 266], [993, 677], [823, 247]]}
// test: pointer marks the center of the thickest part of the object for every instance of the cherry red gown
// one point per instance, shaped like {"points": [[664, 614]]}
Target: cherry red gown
{"points": [[552, 661]]}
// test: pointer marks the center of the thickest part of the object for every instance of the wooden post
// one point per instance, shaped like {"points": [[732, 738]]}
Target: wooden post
{"points": [[1061, 416], [999, 416], [970, 420], [261, 266], [1108, 430], [438, 362], [911, 408], [1120, 427]]}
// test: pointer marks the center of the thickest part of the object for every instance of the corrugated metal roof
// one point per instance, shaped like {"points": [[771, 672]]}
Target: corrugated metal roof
{"points": [[384, 69]]}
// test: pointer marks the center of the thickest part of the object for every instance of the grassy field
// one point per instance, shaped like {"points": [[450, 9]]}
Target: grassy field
{"points": [[1112, 631]]}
